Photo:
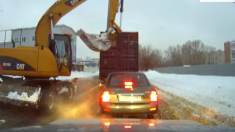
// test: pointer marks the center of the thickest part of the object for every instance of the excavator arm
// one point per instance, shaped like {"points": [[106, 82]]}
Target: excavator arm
{"points": [[95, 42], [51, 17], [104, 40], [111, 25], [112, 11]]}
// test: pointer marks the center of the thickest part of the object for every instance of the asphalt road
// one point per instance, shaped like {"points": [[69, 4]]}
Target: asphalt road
{"points": [[84, 106]]}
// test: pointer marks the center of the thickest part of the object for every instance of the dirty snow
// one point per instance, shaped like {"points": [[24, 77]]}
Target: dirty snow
{"points": [[74, 74], [63, 90], [216, 92], [2, 121], [27, 127], [94, 41], [102, 37], [24, 96], [33, 98], [12, 77]]}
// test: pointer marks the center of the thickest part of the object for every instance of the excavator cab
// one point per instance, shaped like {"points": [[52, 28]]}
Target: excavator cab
{"points": [[60, 46]]}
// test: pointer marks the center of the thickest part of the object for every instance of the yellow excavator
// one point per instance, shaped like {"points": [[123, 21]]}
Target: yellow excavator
{"points": [[38, 64]]}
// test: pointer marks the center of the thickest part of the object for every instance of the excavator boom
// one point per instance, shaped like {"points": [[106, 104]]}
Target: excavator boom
{"points": [[57, 10], [112, 11]]}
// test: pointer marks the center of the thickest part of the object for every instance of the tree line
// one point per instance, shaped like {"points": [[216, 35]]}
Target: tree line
{"points": [[193, 52]]}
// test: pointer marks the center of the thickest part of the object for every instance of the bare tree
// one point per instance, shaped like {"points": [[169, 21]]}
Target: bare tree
{"points": [[174, 56], [211, 55], [186, 53], [193, 53], [190, 53], [145, 53], [149, 58], [156, 59]]}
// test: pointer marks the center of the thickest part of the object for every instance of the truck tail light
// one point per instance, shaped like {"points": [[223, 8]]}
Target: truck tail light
{"points": [[105, 96], [128, 84], [153, 96]]}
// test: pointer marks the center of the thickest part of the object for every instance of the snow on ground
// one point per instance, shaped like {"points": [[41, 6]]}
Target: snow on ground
{"points": [[216, 92], [33, 98], [63, 90], [2, 121], [75, 74], [24, 96], [79, 75]]}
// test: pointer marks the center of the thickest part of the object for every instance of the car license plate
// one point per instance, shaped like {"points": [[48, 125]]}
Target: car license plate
{"points": [[130, 98]]}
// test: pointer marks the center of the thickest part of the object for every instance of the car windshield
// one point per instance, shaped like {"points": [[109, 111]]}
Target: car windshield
{"points": [[135, 79], [117, 59]]}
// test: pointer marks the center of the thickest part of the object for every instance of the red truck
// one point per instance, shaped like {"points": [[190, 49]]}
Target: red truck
{"points": [[122, 57]]}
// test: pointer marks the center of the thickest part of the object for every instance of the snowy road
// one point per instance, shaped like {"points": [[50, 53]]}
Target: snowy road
{"points": [[205, 99], [82, 107]]}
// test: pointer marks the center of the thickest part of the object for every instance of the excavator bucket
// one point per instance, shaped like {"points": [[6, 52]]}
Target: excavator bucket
{"points": [[20, 95], [95, 42]]}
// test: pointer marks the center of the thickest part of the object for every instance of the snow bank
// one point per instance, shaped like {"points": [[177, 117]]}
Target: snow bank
{"points": [[24, 96], [78, 75], [75, 74], [216, 92], [2, 121]]}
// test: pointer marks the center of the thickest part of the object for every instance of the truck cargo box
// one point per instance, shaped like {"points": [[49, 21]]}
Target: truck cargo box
{"points": [[122, 57]]}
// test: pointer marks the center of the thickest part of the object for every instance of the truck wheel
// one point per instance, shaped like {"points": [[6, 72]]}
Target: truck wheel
{"points": [[47, 102]]}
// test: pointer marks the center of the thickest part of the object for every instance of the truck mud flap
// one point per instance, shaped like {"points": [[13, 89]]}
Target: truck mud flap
{"points": [[94, 42], [20, 95]]}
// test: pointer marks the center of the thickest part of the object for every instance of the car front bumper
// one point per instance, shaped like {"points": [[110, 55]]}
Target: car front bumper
{"points": [[129, 108]]}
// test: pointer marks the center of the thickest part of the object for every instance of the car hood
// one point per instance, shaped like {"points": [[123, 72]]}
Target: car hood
{"points": [[113, 125]]}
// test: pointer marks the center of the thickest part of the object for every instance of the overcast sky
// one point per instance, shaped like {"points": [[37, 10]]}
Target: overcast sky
{"points": [[159, 22]]}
